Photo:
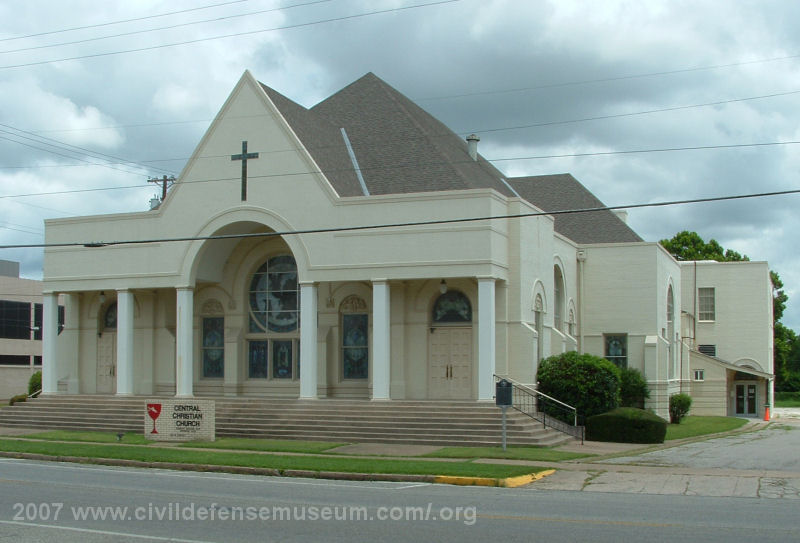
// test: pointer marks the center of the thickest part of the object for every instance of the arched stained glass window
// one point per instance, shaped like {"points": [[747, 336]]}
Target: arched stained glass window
{"points": [[452, 307], [274, 296], [355, 338], [273, 332], [110, 317], [558, 292]]}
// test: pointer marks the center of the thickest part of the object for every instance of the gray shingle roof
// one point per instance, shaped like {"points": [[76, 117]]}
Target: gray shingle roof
{"points": [[562, 192], [400, 148]]}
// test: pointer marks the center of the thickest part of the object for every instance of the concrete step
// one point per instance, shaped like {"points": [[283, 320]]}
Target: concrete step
{"points": [[440, 423]]}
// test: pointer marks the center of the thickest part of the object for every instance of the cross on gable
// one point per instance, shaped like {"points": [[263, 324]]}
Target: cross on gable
{"points": [[243, 157]]}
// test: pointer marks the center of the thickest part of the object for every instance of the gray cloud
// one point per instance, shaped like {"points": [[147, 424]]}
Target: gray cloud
{"points": [[434, 54]]}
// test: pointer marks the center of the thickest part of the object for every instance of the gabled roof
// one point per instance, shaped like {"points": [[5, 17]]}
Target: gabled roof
{"points": [[400, 148], [561, 192]]}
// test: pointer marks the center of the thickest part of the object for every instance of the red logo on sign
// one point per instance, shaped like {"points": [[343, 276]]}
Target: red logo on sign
{"points": [[153, 411]]}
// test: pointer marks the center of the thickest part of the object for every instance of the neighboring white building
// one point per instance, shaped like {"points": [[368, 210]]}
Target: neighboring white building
{"points": [[20, 330], [264, 297], [731, 368]]}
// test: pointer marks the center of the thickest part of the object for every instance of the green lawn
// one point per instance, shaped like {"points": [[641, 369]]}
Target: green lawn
{"points": [[517, 453], [271, 445], [787, 399], [697, 426], [314, 463], [91, 437]]}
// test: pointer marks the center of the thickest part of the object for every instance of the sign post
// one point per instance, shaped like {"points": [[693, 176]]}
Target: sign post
{"points": [[503, 399]]}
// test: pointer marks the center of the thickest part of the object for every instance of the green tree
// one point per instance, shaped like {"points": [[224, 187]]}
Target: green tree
{"points": [[690, 246]]}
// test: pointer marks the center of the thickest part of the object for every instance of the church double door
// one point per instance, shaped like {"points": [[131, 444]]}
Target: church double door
{"points": [[107, 363], [450, 369]]}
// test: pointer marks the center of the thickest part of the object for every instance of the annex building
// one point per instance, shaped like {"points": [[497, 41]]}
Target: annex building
{"points": [[283, 284]]}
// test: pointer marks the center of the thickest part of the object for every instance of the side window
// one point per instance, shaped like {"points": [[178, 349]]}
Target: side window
{"points": [[616, 349], [706, 304]]}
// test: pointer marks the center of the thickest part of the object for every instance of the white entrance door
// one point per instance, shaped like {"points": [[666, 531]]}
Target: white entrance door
{"points": [[107, 363], [746, 399], [450, 370]]}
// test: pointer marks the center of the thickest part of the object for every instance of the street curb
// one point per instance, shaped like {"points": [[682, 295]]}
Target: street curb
{"points": [[509, 482]]}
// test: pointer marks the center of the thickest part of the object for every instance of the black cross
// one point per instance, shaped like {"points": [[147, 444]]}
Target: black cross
{"points": [[243, 157]]}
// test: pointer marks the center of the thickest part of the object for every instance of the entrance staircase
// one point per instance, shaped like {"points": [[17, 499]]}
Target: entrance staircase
{"points": [[351, 421]]}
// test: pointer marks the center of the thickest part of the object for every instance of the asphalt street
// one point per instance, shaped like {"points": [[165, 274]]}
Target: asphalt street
{"points": [[48, 502]]}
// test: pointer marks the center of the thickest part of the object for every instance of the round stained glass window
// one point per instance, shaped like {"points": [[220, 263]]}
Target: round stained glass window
{"points": [[274, 296]]}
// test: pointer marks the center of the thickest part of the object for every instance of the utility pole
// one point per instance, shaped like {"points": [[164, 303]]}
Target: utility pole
{"points": [[165, 182]]}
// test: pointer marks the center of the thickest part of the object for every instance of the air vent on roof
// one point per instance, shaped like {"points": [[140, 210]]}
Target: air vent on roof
{"points": [[472, 146]]}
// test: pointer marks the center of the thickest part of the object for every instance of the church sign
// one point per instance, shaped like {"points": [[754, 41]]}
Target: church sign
{"points": [[175, 419]]}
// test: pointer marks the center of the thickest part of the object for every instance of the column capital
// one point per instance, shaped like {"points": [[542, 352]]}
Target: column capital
{"points": [[308, 283], [379, 281], [486, 278], [190, 287]]}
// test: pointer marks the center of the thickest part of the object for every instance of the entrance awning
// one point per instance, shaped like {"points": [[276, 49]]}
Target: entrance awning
{"points": [[733, 367]]}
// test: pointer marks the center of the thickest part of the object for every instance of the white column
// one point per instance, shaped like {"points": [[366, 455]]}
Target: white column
{"points": [[308, 341], [486, 338], [381, 344], [124, 342], [50, 364], [184, 342]]}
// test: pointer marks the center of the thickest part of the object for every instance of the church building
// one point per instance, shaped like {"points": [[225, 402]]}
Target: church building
{"points": [[360, 249]]}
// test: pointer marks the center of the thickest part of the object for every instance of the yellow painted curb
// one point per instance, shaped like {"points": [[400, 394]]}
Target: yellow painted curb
{"points": [[509, 482], [512, 482]]}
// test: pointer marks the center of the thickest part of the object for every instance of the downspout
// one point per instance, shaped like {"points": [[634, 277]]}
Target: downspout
{"points": [[694, 307], [581, 260]]}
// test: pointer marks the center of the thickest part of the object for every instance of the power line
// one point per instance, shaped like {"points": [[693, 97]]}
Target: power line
{"points": [[170, 27], [146, 163], [416, 165], [608, 79], [96, 244], [631, 114], [109, 23], [68, 147], [60, 154], [236, 34]]}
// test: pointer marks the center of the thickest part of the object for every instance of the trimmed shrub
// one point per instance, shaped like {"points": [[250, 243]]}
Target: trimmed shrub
{"points": [[633, 389], [626, 425], [35, 384], [679, 405], [584, 381], [17, 399]]}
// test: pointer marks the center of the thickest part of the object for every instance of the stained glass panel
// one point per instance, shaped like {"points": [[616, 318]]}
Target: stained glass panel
{"points": [[355, 351], [257, 363], [452, 306], [213, 347], [282, 359], [110, 320]]}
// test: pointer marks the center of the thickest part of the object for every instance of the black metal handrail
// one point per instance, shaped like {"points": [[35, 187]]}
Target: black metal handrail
{"points": [[545, 409]]}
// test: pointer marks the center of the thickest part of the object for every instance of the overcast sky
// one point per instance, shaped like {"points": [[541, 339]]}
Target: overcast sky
{"points": [[727, 72]]}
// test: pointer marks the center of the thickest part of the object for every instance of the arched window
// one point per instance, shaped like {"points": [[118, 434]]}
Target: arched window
{"points": [[538, 313], [274, 327], [571, 327], [355, 338], [671, 334], [213, 339], [558, 291], [110, 317], [451, 307]]}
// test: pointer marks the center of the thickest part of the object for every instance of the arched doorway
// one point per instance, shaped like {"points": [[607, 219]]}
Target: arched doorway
{"points": [[450, 348]]}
